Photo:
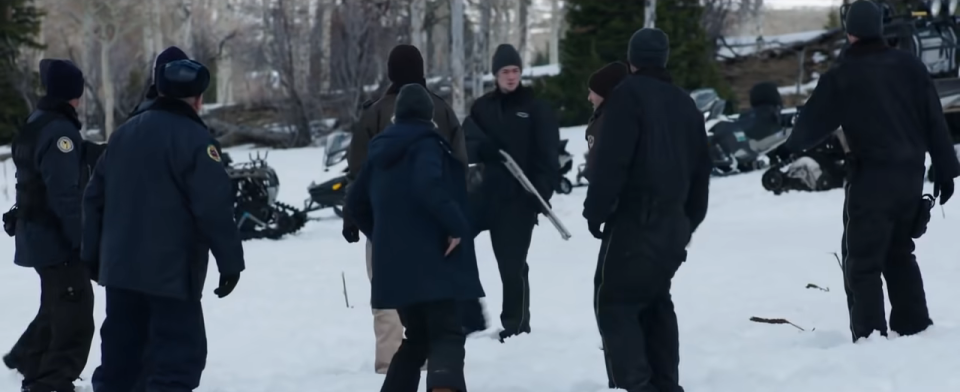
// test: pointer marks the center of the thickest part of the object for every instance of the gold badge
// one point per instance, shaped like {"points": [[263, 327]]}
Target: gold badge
{"points": [[64, 144], [212, 152]]}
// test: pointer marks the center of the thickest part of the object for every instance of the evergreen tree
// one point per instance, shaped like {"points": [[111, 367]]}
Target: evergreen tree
{"points": [[19, 26], [599, 32]]}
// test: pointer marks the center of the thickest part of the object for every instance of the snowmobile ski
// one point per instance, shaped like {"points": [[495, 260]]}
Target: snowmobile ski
{"points": [[517, 173]]}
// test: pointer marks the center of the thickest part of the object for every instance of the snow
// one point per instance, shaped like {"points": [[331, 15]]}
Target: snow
{"points": [[286, 327]]}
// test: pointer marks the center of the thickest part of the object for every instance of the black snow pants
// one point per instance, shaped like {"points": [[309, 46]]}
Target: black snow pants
{"points": [[150, 342], [642, 249], [878, 217], [433, 334], [52, 352], [511, 226]]}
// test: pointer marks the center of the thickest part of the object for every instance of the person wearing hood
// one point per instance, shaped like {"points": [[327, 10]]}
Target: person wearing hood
{"points": [[404, 66], [647, 195], [51, 173], [601, 84], [512, 119], [410, 200], [151, 248], [168, 55], [891, 116]]}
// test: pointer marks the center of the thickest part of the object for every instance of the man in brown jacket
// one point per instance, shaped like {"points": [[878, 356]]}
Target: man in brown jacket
{"points": [[601, 83], [404, 66]]}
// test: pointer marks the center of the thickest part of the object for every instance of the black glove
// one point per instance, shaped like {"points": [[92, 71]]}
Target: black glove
{"points": [[228, 282], [350, 231], [595, 229], [943, 190]]}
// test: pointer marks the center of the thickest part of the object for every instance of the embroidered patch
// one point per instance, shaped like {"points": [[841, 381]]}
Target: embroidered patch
{"points": [[589, 141], [212, 152], [64, 144], [522, 114]]}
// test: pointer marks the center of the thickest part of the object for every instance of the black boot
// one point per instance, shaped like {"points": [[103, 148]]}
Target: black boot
{"points": [[507, 333]]}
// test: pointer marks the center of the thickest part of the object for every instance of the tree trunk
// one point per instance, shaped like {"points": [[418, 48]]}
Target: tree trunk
{"points": [[556, 23], [106, 87], [316, 46], [149, 50], [481, 50], [523, 29], [418, 11], [456, 56], [156, 19], [441, 39], [186, 31], [650, 14], [325, 47], [224, 76]]}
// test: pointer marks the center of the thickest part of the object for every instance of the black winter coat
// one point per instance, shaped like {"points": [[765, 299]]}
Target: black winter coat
{"points": [[653, 147], [158, 203], [527, 129], [410, 196], [57, 161], [888, 107]]}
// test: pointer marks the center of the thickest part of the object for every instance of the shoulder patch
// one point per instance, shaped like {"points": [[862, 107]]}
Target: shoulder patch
{"points": [[64, 144], [212, 153]]}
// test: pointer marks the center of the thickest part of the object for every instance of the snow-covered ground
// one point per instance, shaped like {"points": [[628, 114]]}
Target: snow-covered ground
{"points": [[286, 327]]}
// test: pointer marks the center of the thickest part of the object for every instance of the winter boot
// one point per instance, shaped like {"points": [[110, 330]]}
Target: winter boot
{"points": [[511, 332]]}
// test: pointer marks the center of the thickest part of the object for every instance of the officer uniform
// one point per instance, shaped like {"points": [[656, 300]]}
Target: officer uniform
{"points": [[159, 201], [47, 152]]}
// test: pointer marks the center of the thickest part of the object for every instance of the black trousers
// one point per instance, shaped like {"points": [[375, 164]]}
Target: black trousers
{"points": [[511, 229], [162, 337], [878, 218], [640, 253], [433, 334], [52, 352]]}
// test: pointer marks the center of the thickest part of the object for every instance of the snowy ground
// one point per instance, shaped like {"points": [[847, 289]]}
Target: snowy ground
{"points": [[286, 327]]}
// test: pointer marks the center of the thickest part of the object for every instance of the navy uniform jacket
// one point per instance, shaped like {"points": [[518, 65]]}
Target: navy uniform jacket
{"points": [[57, 157], [410, 196], [158, 202]]}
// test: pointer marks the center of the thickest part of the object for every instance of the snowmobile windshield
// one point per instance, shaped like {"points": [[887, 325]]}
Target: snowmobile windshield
{"points": [[704, 98]]}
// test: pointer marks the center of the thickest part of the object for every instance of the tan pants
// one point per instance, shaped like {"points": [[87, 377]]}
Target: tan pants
{"points": [[386, 326]]}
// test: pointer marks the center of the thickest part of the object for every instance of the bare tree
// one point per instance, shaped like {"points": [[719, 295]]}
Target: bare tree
{"points": [[720, 15], [282, 53], [650, 13], [418, 38], [522, 25], [556, 25], [481, 49], [456, 57]]}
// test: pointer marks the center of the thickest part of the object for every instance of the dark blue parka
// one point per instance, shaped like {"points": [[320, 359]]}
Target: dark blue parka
{"points": [[55, 160], [158, 202], [410, 196]]}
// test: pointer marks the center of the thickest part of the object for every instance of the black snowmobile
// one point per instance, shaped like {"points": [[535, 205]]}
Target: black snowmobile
{"points": [[256, 209], [331, 193], [818, 169], [564, 186], [745, 143]]}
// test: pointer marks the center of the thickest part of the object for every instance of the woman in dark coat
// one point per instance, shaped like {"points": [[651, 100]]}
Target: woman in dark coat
{"points": [[410, 200]]}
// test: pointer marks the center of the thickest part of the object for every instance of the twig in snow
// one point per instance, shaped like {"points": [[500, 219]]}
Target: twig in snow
{"points": [[840, 263], [774, 321], [346, 298], [813, 286]]}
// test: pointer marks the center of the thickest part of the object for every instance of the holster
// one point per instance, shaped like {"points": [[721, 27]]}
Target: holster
{"points": [[920, 222]]}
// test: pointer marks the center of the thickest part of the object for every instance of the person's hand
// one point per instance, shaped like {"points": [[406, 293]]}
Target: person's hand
{"points": [[595, 229], [943, 190], [350, 231], [451, 244], [228, 282]]}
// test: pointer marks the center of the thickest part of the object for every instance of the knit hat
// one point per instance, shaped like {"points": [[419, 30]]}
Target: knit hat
{"points": [[605, 79], [413, 103], [61, 78], [864, 20], [649, 47], [504, 56], [765, 93], [183, 79], [405, 65]]}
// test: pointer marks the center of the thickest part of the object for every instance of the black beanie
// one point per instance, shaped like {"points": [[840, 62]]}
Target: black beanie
{"points": [[405, 65], [413, 103], [605, 79], [168, 55], [505, 55], [183, 79], [864, 20], [649, 47], [62, 79]]}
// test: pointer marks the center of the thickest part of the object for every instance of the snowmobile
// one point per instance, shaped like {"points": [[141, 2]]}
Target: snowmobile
{"points": [[564, 186], [336, 148], [328, 194], [256, 209], [744, 143], [818, 169]]}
